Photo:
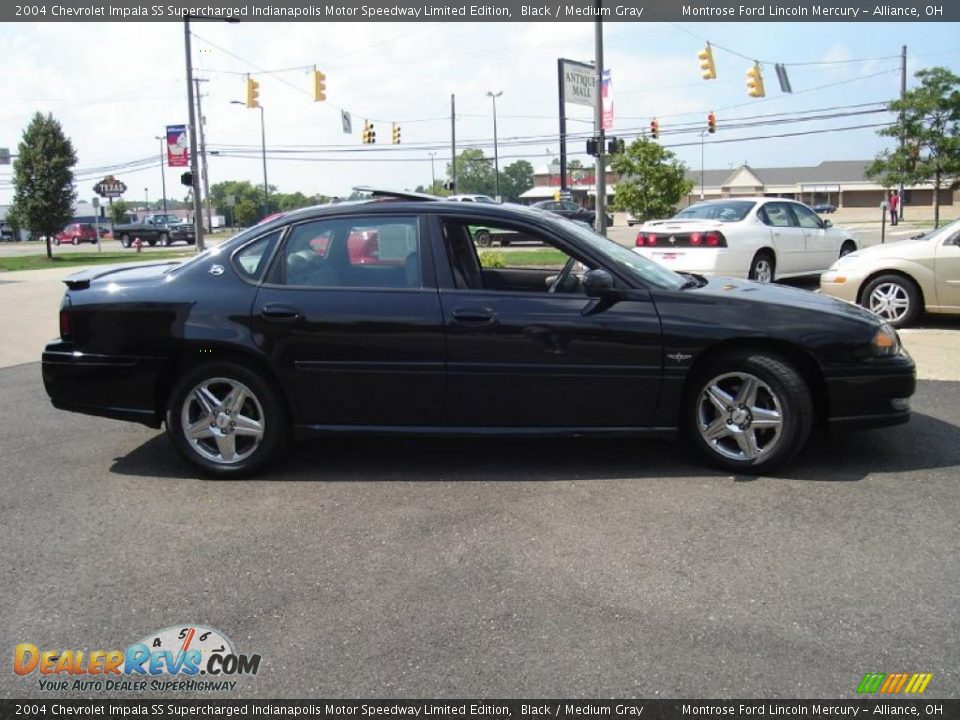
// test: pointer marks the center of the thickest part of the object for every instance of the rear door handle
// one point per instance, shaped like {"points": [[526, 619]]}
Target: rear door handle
{"points": [[279, 313], [474, 317]]}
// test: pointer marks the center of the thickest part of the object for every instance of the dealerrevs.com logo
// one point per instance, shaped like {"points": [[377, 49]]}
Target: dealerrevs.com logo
{"points": [[184, 657]]}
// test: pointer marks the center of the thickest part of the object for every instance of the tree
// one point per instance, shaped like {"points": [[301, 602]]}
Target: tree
{"points": [[43, 193], [474, 173], [246, 211], [931, 132], [515, 179], [652, 181], [118, 211]]}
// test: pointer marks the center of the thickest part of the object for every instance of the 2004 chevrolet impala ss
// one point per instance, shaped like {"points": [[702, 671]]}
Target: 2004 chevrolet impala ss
{"points": [[381, 316]]}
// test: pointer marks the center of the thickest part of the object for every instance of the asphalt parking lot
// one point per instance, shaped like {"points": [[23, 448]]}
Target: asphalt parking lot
{"points": [[455, 568]]}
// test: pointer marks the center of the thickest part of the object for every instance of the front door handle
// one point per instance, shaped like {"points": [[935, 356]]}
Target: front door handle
{"points": [[279, 313], [474, 317]]}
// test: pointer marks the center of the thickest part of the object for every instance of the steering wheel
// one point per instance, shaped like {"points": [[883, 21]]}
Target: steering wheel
{"points": [[562, 277]]}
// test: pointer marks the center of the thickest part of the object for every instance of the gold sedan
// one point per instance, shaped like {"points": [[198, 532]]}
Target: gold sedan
{"points": [[898, 281]]}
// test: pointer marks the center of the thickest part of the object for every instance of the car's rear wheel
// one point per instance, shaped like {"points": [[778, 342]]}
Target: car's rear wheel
{"points": [[894, 298], [226, 420], [483, 238], [125, 240], [763, 267], [56, 241], [75, 240], [749, 412]]}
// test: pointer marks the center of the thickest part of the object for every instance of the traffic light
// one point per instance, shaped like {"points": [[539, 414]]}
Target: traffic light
{"points": [[592, 147], [319, 86], [709, 70], [396, 134], [369, 136], [187, 179], [253, 93], [755, 82], [711, 122], [615, 146], [654, 129]]}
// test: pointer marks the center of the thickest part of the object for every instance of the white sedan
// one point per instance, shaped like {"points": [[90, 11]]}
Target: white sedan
{"points": [[756, 238]]}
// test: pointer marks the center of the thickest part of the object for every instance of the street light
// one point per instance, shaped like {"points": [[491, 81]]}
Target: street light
{"points": [[433, 177], [146, 198], [703, 134], [263, 146], [496, 155], [163, 172], [195, 185]]}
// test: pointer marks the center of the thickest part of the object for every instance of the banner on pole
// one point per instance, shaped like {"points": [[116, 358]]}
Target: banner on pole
{"points": [[606, 98], [178, 146]]}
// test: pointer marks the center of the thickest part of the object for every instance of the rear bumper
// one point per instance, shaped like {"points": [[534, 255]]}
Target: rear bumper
{"points": [[119, 387], [878, 399]]}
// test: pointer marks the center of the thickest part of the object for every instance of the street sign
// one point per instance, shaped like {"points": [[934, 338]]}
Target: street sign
{"points": [[110, 187], [579, 83], [4, 156], [231, 200], [95, 202]]}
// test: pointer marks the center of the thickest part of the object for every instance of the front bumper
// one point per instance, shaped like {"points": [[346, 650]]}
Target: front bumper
{"points": [[119, 387], [878, 398], [841, 285]]}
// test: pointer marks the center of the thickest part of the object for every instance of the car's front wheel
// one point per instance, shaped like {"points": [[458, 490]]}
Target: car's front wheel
{"points": [[894, 298], [164, 240], [483, 238], [749, 412], [226, 420], [76, 240], [125, 240]]}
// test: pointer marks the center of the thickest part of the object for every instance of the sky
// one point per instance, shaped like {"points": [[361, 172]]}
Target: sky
{"points": [[116, 86]]}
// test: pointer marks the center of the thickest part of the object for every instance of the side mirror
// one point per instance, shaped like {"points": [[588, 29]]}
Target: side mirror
{"points": [[597, 283], [828, 223]]}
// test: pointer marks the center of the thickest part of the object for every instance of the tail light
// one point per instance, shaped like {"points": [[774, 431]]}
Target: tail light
{"points": [[640, 242], [65, 319], [648, 239], [714, 239], [695, 239]]}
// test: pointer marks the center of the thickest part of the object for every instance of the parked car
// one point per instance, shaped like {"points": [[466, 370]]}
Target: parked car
{"points": [[571, 211], [472, 198], [483, 235], [156, 228], [900, 280], [253, 341], [76, 233], [824, 208], [756, 238]]}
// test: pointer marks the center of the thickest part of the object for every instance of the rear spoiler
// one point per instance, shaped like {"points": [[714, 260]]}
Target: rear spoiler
{"points": [[81, 280]]}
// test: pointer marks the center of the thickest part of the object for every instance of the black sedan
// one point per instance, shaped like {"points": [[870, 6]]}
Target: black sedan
{"points": [[571, 211], [381, 317], [824, 208]]}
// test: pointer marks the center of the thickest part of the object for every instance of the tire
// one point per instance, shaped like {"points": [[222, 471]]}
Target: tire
{"points": [[164, 240], [125, 240], [895, 298], [75, 241], [56, 241], [483, 238], [763, 267], [504, 243], [151, 243], [264, 421], [724, 426], [192, 241], [848, 247]]}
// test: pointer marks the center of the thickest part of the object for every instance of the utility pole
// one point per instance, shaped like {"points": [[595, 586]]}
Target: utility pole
{"points": [[433, 177], [601, 172], [163, 172], [903, 138], [263, 154], [203, 156], [195, 185], [703, 134], [453, 142], [496, 153], [563, 129]]}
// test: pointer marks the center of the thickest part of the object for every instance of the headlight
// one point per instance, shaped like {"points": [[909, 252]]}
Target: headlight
{"points": [[886, 342]]}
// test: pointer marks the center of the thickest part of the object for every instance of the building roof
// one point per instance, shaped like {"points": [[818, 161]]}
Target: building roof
{"points": [[829, 171]]}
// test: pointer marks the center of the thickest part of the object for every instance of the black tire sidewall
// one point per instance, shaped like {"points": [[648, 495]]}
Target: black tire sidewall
{"points": [[795, 401], [269, 397], [913, 293]]}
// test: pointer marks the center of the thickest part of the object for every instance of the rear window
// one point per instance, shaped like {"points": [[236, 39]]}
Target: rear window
{"points": [[725, 211], [85, 226]]}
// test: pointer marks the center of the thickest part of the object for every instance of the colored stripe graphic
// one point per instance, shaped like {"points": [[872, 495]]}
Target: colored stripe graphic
{"points": [[894, 683]]}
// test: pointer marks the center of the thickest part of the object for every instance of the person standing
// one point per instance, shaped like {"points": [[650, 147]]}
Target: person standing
{"points": [[894, 204]]}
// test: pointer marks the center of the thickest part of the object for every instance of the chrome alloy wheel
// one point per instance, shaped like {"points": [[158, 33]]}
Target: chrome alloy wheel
{"points": [[890, 301], [739, 416], [222, 421], [763, 271]]}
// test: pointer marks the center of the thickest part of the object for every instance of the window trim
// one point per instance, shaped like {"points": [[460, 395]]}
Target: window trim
{"points": [[796, 214], [257, 281], [787, 206]]}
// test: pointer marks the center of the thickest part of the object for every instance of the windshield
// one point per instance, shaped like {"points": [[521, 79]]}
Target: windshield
{"points": [[724, 211], [646, 271]]}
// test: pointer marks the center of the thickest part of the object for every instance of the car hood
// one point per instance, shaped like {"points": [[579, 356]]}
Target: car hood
{"points": [[123, 274], [906, 249], [748, 291]]}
